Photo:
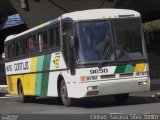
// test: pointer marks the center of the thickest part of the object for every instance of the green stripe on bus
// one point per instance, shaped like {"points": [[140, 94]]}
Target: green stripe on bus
{"points": [[40, 63], [44, 84], [39, 75], [125, 69], [129, 69], [46, 62], [120, 69], [38, 83], [45, 76]]}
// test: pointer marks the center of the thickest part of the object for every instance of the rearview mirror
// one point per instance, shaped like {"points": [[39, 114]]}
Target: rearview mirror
{"points": [[71, 37]]}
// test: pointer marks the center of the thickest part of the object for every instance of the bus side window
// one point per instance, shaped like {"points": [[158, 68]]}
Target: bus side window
{"points": [[57, 37], [30, 45], [6, 51], [26, 46], [35, 43], [23, 46], [12, 50], [17, 48], [45, 40], [51, 40], [40, 41]]}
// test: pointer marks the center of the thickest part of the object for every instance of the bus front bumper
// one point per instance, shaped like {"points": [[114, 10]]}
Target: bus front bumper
{"points": [[110, 87]]}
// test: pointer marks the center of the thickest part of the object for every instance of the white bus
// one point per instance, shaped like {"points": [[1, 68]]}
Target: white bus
{"points": [[80, 54]]}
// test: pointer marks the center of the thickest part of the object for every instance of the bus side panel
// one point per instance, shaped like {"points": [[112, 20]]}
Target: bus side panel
{"points": [[45, 75], [12, 84], [39, 68], [28, 83], [52, 84], [40, 77], [57, 67], [29, 79], [33, 75], [43, 64]]}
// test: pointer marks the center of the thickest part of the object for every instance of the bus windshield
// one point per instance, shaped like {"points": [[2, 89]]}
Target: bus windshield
{"points": [[95, 41], [129, 39], [93, 38]]}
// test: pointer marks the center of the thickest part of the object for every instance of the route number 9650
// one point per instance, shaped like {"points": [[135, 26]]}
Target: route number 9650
{"points": [[101, 70]]}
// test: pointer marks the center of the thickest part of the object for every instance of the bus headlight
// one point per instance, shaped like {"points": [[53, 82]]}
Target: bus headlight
{"points": [[90, 88], [143, 83]]}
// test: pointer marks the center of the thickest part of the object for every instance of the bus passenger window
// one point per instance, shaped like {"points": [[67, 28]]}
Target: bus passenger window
{"points": [[45, 40], [7, 48], [35, 43], [17, 48], [51, 41], [40, 41], [30, 45], [56, 37], [26, 46], [12, 50], [23, 46]]}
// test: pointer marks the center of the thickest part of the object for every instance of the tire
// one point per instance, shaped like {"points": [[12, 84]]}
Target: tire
{"points": [[121, 98], [64, 95], [23, 98], [31, 98], [2, 94]]}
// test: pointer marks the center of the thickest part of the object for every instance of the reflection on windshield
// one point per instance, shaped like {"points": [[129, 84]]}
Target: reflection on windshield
{"points": [[93, 39], [128, 35]]}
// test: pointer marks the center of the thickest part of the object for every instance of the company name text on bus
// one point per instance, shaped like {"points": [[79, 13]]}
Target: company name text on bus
{"points": [[18, 66]]}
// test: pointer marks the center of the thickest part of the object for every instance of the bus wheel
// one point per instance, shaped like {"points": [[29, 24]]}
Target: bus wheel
{"points": [[22, 97], [64, 95], [121, 98]]}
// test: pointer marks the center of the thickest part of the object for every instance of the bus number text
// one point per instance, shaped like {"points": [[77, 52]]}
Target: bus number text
{"points": [[101, 70]]}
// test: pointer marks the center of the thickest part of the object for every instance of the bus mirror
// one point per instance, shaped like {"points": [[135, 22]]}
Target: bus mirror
{"points": [[71, 55], [3, 56], [72, 41]]}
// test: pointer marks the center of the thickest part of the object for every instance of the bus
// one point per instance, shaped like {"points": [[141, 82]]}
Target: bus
{"points": [[80, 54]]}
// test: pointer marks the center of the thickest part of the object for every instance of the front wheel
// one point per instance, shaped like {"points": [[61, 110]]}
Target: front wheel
{"points": [[64, 95], [121, 98]]}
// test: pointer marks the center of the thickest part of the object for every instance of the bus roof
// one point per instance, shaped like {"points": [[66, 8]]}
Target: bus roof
{"points": [[85, 15], [101, 14], [31, 30]]}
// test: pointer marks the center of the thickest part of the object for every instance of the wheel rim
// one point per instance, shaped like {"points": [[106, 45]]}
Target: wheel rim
{"points": [[64, 92]]}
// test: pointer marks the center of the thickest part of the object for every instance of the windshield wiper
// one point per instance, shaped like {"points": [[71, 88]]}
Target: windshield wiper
{"points": [[105, 52], [126, 53]]}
